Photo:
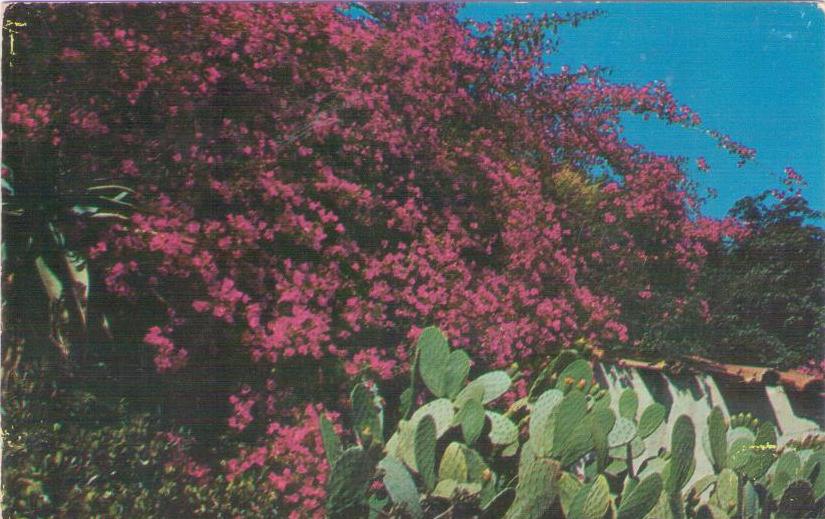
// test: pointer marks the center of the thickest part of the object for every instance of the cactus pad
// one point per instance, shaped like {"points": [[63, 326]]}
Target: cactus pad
{"points": [[400, 486]]}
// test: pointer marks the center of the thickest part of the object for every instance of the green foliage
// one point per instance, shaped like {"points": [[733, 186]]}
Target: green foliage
{"points": [[576, 457], [348, 482], [400, 486], [681, 455], [717, 437], [642, 498], [536, 490], [425, 450], [652, 417], [68, 453]]}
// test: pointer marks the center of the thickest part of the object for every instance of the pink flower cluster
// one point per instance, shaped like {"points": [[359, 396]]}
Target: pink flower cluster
{"points": [[293, 458]]}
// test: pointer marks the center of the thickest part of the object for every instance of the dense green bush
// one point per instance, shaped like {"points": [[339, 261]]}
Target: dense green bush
{"points": [[561, 451], [71, 454]]}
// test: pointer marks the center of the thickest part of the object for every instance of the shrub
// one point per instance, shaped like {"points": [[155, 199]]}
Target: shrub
{"points": [[316, 183], [69, 453]]}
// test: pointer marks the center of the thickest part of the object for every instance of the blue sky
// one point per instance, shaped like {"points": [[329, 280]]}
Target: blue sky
{"points": [[755, 71]]}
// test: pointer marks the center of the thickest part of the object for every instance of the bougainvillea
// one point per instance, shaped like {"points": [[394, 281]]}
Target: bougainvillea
{"points": [[319, 181]]}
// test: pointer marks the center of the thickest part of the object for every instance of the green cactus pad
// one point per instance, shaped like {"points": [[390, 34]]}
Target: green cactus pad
{"points": [[348, 481], [453, 464], [628, 404], [717, 438], [591, 501], [471, 419], [814, 471], [424, 450], [458, 367], [726, 494], [623, 432], [433, 359], [330, 440], [536, 490], [494, 383], [502, 430], [785, 471], [763, 452], [739, 453], [366, 415], [442, 412], [683, 442], [559, 362], [577, 370], [736, 433], [448, 488], [569, 486], [601, 422], [542, 419], [400, 486], [571, 436], [642, 498], [470, 392], [616, 467], [750, 501], [652, 418]]}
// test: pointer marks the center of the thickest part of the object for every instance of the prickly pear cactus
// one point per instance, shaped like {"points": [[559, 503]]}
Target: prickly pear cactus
{"points": [[652, 418], [536, 490], [348, 481], [641, 500], [578, 374], [433, 359], [400, 486], [591, 501], [717, 438], [628, 404], [441, 456], [424, 450], [681, 455], [471, 420]]}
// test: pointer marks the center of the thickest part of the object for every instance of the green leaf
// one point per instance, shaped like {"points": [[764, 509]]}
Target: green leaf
{"points": [[424, 450], [458, 367], [502, 430], [453, 464], [601, 423], [717, 438], [542, 419], [536, 490], [642, 499], [623, 432], [330, 440], [763, 451], [51, 282], [494, 383], [577, 370], [628, 404], [471, 419], [591, 501], [683, 441], [366, 415], [652, 417], [434, 355], [400, 486], [726, 494], [348, 481]]}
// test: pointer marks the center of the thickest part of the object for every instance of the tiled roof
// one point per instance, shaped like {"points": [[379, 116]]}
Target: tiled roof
{"points": [[794, 379]]}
